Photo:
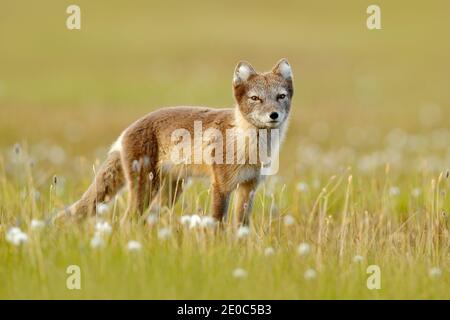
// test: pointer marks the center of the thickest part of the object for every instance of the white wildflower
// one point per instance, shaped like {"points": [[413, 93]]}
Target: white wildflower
{"points": [[185, 220], [239, 273], [243, 232], [195, 221], [302, 187], [37, 224], [97, 241], [164, 233], [102, 208], [15, 236], [310, 274], [103, 227], [134, 246], [435, 272], [358, 258], [152, 219], [269, 251], [288, 220], [303, 249], [208, 222]]}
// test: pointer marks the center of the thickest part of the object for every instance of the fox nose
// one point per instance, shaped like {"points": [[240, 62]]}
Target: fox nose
{"points": [[273, 115]]}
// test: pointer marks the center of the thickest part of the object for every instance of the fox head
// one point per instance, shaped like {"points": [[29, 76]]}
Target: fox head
{"points": [[264, 99]]}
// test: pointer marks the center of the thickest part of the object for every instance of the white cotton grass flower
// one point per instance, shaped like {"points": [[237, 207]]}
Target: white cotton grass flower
{"points": [[37, 224], [208, 222], [102, 208], [103, 227], [195, 221], [185, 220], [394, 191], [152, 219], [435, 272], [288, 220], [269, 251], [164, 233], [16, 236], [243, 232], [134, 245], [358, 258], [97, 241], [239, 273], [303, 249], [302, 187], [310, 274]]}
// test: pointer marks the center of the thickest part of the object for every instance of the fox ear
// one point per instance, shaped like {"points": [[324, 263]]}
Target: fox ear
{"points": [[283, 68], [242, 72]]}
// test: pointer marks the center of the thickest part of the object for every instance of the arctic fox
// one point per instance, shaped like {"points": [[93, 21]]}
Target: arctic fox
{"points": [[141, 158]]}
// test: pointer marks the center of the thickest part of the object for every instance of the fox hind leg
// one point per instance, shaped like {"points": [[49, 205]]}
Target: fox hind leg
{"points": [[143, 183], [109, 179]]}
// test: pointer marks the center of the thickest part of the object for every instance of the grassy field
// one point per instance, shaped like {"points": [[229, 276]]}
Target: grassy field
{"points": [[364, 176]]}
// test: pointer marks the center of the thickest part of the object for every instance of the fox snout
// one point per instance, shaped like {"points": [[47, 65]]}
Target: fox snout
{"points": [[276, 116], [269, 117]]}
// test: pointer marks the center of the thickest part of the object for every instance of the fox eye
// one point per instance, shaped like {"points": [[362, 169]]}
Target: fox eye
{"points": [[281, 96], [254, 98]]}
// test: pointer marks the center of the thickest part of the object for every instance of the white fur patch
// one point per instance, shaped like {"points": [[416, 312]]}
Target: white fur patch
{"points": [[243, 124], [242, 73], [285, 70], [117, 145]]}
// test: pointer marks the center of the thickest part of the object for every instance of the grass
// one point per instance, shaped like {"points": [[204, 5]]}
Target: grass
{"points": [[364, 169], [404, 232]]}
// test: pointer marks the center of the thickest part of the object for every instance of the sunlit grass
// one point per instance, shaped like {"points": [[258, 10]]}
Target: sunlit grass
{"points": [[364, 170], [321, 236]]}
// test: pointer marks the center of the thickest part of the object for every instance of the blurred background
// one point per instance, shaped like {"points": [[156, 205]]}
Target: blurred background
{"points": [[360, 94]]}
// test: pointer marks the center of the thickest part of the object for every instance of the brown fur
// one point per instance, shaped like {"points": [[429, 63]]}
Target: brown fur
{"points": [[144, 150]]}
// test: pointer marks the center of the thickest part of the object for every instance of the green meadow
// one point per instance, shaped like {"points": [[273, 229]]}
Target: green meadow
{"points": [[364, 176]]}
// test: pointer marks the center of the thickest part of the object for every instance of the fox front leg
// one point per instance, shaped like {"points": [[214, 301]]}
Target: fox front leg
{"points": [[244, 201], [220, 200]]}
